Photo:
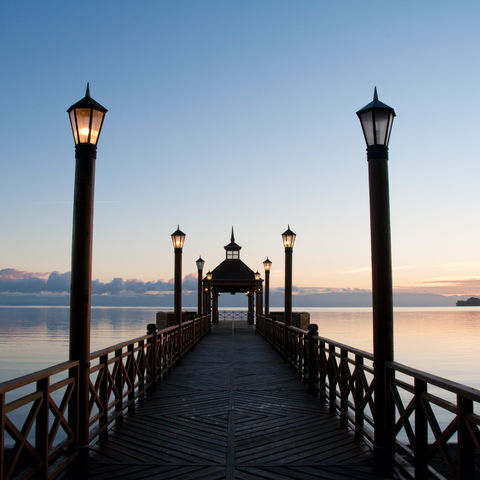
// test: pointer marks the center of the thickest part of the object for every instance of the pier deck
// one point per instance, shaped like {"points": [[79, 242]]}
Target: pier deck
{"points": [[231, 410]]}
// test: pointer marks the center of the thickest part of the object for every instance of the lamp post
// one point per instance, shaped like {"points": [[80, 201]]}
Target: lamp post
{"points": [[178, 239], [86, 119], [208, 305], [376, 119], [200, 264], [288, 238], [267, 265], [258, 293]]}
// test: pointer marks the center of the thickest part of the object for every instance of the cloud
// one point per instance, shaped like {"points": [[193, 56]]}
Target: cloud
{"points": [[17, 281], [469, 286]]}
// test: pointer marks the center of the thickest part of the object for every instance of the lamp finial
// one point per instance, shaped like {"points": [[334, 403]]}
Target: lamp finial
{"points": [[375, 95]]}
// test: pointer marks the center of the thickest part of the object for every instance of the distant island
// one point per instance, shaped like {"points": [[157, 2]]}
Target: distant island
{"points": [[471, 302]]}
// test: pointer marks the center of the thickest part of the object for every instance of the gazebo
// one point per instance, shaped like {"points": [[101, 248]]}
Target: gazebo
{"points": [[233, 276]]}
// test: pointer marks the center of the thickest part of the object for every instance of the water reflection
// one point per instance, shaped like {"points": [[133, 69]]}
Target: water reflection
{"points": [[442, 341]]}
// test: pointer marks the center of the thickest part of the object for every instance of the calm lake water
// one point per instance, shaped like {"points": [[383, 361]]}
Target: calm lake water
{"points": [[443, 341]]}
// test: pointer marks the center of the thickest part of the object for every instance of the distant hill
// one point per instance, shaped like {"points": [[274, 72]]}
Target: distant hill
{"points": [[471, 302]]}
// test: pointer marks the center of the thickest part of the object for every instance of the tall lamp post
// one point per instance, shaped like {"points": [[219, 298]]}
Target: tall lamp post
{"points": [[288, 238], [200, 264], [208, 294], [178, 239], [376, 119], [267, 265], [258, 293], [86, 119]]}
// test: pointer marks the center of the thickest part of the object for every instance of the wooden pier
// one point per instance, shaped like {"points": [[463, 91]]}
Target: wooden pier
{"points": [[231, 409]]}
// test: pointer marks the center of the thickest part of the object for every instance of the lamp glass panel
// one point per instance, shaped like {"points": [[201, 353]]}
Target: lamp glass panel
{"points": [[288, 240], [366, 120], [83, 124], [200, 264], [73, 123], [382, 118], [97, 119], [389, 127], [178, 240]]}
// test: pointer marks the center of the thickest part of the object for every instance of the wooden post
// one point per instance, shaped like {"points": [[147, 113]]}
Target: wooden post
{"points": [[331, 378], [466, 459], [322, 372], [103, 421], [118, 379], [382, 302], [251, 312], [80, 287], [359, 408], [215, 305], [421, 431], [312, 357], [288, 285], [267, 293], [343, 386], [152, 330], [131, 376], [41, 426], [200, 294]]}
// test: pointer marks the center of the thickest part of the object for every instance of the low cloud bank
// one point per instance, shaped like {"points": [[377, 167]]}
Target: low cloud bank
{"points": [[19, 282], [27, 288]]}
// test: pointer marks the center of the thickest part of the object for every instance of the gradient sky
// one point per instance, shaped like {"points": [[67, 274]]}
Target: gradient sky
{"points": [[242, 113]]}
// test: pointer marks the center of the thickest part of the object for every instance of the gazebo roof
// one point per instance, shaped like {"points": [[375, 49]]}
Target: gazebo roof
{"points": [[234, 270]]}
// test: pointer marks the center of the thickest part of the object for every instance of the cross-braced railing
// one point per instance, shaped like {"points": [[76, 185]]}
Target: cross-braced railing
{"points": [[437, 421], [39, 412], [230, 315]]}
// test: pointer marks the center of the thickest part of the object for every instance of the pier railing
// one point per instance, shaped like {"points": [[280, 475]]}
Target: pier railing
{"points": [[437, 421], [231, 315], [39, 412]]}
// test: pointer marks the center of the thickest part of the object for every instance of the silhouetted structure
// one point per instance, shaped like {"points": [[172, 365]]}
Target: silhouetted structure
{"points": [[232, 276]]}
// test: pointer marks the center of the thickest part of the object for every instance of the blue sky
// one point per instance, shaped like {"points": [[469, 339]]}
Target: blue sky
{"points": [[237, 113]]}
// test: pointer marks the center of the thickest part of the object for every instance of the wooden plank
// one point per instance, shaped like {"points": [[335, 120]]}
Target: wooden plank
{"points": [[232, 409]]}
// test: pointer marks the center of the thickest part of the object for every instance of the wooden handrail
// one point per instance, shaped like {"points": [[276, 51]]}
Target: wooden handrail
{"points": [[343, 376], [120, 376]]}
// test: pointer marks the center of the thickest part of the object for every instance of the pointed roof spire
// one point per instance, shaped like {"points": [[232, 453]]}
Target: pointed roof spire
{"points": [[232, 246]]}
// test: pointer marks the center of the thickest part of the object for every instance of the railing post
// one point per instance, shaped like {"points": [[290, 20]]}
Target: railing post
{"points": [[118, 369], [359, 409], [131, 377], [160, 350], [332, 395], [466, 465], [41, 425], [103, 420], [421, 431], [312, 357], [73, 409], [152, 330], [322, 372], [343, 380]]}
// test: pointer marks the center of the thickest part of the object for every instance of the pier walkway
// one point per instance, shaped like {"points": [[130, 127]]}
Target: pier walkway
{"points": [[232, 409]]}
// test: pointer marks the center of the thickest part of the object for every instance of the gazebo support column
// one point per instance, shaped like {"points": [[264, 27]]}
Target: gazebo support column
{"points": [[215, 306], [251, 311]]}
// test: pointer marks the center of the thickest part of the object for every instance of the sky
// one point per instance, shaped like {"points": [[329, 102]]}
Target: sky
{"points": [[242, 113]]}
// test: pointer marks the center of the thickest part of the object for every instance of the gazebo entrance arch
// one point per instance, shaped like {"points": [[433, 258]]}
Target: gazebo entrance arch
{"points": [[233, 276]]}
